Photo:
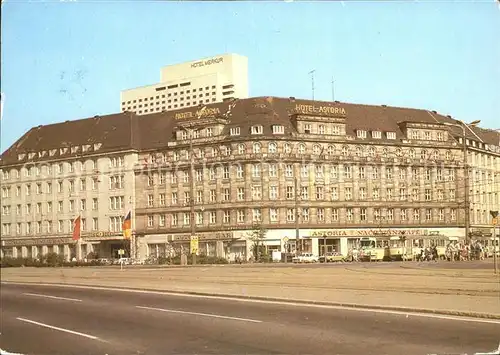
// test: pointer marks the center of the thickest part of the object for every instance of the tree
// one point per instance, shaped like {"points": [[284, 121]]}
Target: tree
{"points": [[257, 235]]}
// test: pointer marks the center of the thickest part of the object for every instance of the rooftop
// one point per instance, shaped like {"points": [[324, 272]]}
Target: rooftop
{"points": [[127, 131]]}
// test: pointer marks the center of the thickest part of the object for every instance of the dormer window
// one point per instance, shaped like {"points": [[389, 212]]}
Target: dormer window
{"points": [[473, 143], [376, 134], [184, 135], [210, 132], [97, 146], [32, 155], [63, 150], [391, 135], [235, 131], [440, 136], [85, 148], [257, 129], [52, 152], [278, 129], [196, 134], [361, 133], [427, 135], [307, 129], [74, 149]]}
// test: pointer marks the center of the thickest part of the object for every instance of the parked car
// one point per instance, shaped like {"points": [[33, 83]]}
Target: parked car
{"points": [[332, 257], [305, 258]]}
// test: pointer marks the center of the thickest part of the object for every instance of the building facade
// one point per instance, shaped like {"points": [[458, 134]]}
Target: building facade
{"points": [[55, 173], [328, 173], [204, 81], [314, 175]]}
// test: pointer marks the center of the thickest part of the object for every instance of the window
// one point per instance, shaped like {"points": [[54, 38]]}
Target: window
{"points": [[376, 193], [212, 173], [289, 192], [256, 129], [319, 171], [389, 194], [375, 172], [273, 170], [289, 170], [241, 149], [227, 216], [290, 215], [349, 213], [226, 194], [362, 214], [389, 173], [256, 215], [453, 214], [361, 133], [321, 129], [362, 193], [225, 172], [255, 170], [320, 193], [234, 131], [427, 194], [273, 214], [391, 135], [83, 205], [213, 196], [376, 134], [335, 194], [151, 221], [316, 149], [256, 148], [287, 148], [305, 214], [307, 128], [428, 214], [390, 214], [240, 216], [320, 214], [256, 193], [304, 193], [278, 129], [304, 171], [212, 217], [361, 172], [273, 192], [272, 148], [302, 148], [239, 171], [334, 172], [416, 214], [348, 193], [199, 217], [451, 194], [347, 172], [241, 193]]}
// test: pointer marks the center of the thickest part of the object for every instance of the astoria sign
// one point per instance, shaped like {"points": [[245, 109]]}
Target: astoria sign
{"points": [[366, 232]]}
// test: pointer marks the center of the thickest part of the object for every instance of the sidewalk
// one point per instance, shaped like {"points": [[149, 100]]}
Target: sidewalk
{"points": [[452, 291]]}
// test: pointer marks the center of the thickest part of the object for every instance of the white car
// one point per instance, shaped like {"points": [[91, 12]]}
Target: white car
{"points": [[305, 258]]}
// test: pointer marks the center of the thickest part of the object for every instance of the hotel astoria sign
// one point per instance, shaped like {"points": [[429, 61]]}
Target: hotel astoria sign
{"points": [[325, 110], [36, 242], [366, 232]]}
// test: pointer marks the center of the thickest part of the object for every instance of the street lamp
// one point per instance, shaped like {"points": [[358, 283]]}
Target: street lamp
{"points": [[463, 125]]}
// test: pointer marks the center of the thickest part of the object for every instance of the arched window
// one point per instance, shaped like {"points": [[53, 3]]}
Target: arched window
{"points": [[257, 148], [272, 148]]}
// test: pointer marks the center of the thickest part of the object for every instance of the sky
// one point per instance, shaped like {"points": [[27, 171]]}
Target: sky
{"points": [[66, 60]]}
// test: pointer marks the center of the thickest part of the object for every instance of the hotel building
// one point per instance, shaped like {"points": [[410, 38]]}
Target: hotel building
{"points": [[327, 172], [204, 81]]}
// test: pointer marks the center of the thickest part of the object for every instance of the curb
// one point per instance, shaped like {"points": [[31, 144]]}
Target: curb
{"points": [[491, 316]]}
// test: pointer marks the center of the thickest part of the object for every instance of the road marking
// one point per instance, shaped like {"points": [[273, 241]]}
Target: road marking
{"points": [[57, 328], [283, 303], [54, 297], [200, 314]]}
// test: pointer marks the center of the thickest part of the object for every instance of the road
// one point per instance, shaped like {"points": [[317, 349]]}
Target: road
{"points": [[40, 320]]}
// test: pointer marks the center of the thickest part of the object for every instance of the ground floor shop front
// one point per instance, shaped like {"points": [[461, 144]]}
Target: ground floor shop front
{"points": [[239, 244], [103, 245]]}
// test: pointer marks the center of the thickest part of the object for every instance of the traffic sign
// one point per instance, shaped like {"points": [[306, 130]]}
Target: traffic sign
{"points": [[193, 245]]}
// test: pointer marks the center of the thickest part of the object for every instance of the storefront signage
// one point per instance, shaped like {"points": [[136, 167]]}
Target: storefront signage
{"points": [[42, 241], [202, 63], [366, 232], [327, 110], [101, 235], [202, 237], [207, 112]]}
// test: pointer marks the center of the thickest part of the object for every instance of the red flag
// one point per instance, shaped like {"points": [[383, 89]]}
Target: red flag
{"points": [[77, 228]]}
